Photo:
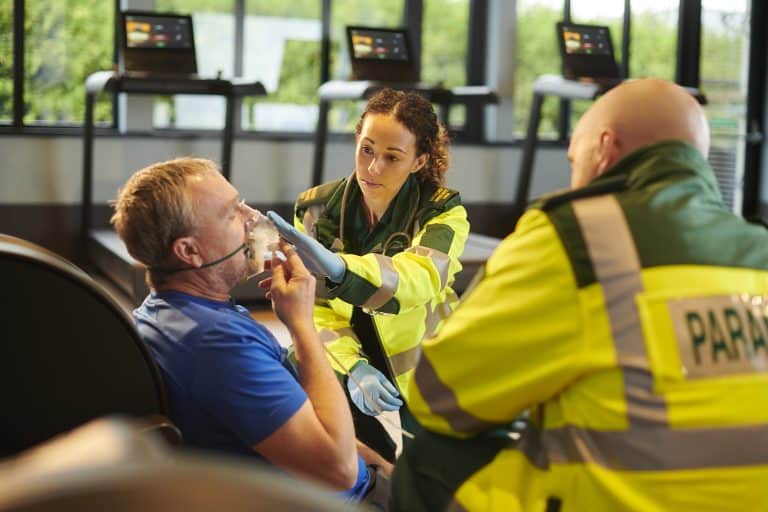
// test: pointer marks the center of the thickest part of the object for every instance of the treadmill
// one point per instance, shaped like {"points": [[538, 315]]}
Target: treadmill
{"points": [[102, 247]]}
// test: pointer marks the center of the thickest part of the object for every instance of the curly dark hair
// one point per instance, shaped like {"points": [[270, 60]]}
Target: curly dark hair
{"points": [[415, 112]]}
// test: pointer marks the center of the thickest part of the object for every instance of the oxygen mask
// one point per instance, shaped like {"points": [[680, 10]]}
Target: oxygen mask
{"points": [[261, 238]]}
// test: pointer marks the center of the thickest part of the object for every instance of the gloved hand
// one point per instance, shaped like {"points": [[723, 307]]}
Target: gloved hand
{"points": [[374, 386], [318, 260]]}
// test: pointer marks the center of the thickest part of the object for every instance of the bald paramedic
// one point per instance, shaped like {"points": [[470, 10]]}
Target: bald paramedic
{"points": [[613, 355]]}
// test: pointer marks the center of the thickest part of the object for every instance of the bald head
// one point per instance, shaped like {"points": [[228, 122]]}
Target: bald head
{"points": [[633, 115]]}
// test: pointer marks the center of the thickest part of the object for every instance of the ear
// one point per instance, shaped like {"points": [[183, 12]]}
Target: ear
{"points": [[608, 151], [420, 162], [186, 251]]}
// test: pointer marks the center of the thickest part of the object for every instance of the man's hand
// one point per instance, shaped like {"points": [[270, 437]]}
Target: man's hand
{"points": [[291, 289], [319, 260], [371, 391]]}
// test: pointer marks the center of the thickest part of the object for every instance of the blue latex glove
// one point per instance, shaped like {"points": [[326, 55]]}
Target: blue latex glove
{"points": [[375, 387], [318, 260]]}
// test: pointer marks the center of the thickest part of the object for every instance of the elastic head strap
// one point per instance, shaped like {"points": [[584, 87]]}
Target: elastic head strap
{"points": [[171, 270]]}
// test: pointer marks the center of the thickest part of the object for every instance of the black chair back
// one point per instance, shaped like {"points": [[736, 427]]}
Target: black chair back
{"points": [[68, 352]]}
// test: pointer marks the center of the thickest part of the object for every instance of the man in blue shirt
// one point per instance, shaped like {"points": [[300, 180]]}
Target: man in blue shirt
{"points": [[229, 385]]}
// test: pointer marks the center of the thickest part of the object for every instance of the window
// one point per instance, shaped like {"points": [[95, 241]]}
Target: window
{"points": [[65, 41], [444, 46], [444, 42], [724, 61], [653, 39], [6, 61], [372, 13], [282, 50], [537, 54], [214, 30], [594, 12]]}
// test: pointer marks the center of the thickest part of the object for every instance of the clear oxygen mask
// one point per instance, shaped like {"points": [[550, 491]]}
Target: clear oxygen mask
{"points": [[261, 238]]}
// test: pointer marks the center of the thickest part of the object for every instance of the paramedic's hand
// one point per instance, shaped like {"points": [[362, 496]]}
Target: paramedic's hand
{"points": [[375, 387], [319, 260]]}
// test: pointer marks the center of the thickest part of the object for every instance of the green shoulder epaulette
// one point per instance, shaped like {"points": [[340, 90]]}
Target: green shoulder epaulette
{"points": [[602, 187], [318, 194], [444, 197]]}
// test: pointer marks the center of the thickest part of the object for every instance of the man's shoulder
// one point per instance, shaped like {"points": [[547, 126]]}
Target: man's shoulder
{"points": [[201, 321]]}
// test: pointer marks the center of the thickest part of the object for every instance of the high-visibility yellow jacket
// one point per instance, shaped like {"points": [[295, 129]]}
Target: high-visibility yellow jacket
{"points": [[400, 273], [630, 318]]}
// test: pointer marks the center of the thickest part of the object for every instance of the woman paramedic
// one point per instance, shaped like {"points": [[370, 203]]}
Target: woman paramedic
{"points": [[387, 239]]}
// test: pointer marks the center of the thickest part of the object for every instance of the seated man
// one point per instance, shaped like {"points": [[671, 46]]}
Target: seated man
{"points": [[230, 387], [625, 319]]}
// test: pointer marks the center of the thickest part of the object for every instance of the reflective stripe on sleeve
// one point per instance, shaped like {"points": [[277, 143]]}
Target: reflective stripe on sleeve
{"points": [[442, 400], [311, 215], [440, 312], [440, 260], [455, 506], [406, 360], [389, 281], [329, 336]]}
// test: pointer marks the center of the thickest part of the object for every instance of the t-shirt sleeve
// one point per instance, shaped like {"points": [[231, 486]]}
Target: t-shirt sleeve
{"points": [[242, 382]]}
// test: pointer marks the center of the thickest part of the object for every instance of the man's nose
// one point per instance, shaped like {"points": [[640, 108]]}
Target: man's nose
{"points": [[249, 215]]}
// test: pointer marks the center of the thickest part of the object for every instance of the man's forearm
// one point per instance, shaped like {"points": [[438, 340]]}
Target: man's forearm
{"points": [[322, 386]]}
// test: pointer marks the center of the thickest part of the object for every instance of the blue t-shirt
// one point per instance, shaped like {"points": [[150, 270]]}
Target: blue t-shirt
{"points": [[229, 383]]}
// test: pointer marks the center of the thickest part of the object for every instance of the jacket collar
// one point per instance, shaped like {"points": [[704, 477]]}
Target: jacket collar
{"points": [[660, 162]]}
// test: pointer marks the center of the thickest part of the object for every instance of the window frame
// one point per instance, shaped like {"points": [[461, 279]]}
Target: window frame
{"points": [[689, 33]]}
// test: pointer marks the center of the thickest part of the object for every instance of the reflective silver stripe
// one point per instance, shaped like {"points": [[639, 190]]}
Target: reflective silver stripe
{"points": [[310, 218], [617, 267], [431, 320], [406, 360], [440, 312], [440, 260], [660, 448], [389, 281], [649, 444], [455, 506], [442, 400], [329, 335]]}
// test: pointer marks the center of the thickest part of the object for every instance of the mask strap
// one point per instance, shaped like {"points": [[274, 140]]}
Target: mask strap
{"points": [[167, 270]]}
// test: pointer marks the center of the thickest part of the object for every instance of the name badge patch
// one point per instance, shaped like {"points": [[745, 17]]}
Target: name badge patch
{"points": [[721, 335]]}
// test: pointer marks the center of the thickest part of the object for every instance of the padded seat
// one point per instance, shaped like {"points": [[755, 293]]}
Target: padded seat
{"points": [[111, 464], [68, 354]]}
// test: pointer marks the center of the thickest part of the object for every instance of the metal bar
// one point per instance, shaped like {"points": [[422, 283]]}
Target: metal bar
{"points": [[226, 143], [756, 115], [688, 43], [115, 59], [325, 43], [477, 47], [529, 154], [18, 63], [564, 113], [321, 136], [87, 203], [321, 132], [626, 39], [239, 35], [237, 122], [413, 18]]}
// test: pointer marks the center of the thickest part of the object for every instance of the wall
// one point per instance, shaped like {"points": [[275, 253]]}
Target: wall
{"points": [[40, 180]]}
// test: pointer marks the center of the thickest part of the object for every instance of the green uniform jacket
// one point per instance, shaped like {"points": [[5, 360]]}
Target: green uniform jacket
{"points": [[630, 318], [400, 273]]}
